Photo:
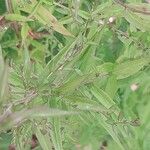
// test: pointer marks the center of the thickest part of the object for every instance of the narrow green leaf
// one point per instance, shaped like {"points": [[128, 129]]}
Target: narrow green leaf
{"points": [[17, 17], [102, 97], [66, 20], [24, 31], [56, 134], [27, 63], [109, 129], [45, 17], [111, 86], [129, 68], [137, 21], [44, 140], [71, 85], [101, 7], [84, 14], [105, 68], [75, 99], [52, 21], [140, 7]]}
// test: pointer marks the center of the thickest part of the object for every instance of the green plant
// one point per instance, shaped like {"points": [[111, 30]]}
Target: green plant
{"points": [[80, 81]]}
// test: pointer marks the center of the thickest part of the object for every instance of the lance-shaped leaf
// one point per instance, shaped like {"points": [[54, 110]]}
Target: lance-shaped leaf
{"points": [[44, 140], [56, 134], [102, 120], [140, 8], [102, 97], [45, 17], [50, 19], [129, 68], [111, 87], [24, 32], [137, 21], [27, 62], [17, 17], [71, 85]]}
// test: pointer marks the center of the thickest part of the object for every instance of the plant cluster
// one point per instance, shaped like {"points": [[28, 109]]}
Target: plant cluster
{"points": [[74, 75]]}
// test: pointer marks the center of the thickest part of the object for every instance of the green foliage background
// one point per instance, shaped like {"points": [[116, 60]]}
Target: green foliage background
{"points": [[69, 80]]}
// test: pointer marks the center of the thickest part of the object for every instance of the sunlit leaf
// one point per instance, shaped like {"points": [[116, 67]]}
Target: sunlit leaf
{"points": [[129, 68], [17, 17], [111, 87], [24, 31], [137, 21], [44, 140], [47, 18], [56, 134], [102, 97]]}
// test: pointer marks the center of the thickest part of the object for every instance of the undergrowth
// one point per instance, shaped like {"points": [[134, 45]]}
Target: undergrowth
{"points": [[74, 75]]}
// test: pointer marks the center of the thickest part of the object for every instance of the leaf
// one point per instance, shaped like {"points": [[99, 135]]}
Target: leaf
{"points": [[15, 6], [102, 97], [52, 21], [3, 76], [142, 7], [45, 17], [66, 20], [17, 17], [105, 68], [75, 99], [44, 140], [101, 7], [84, 14], [84, 103], [56, 134], [109, 129], [24, 32], [75, 83], [135, 20], [130, 67], [27, 63], [71, 85], [111, 87]]}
